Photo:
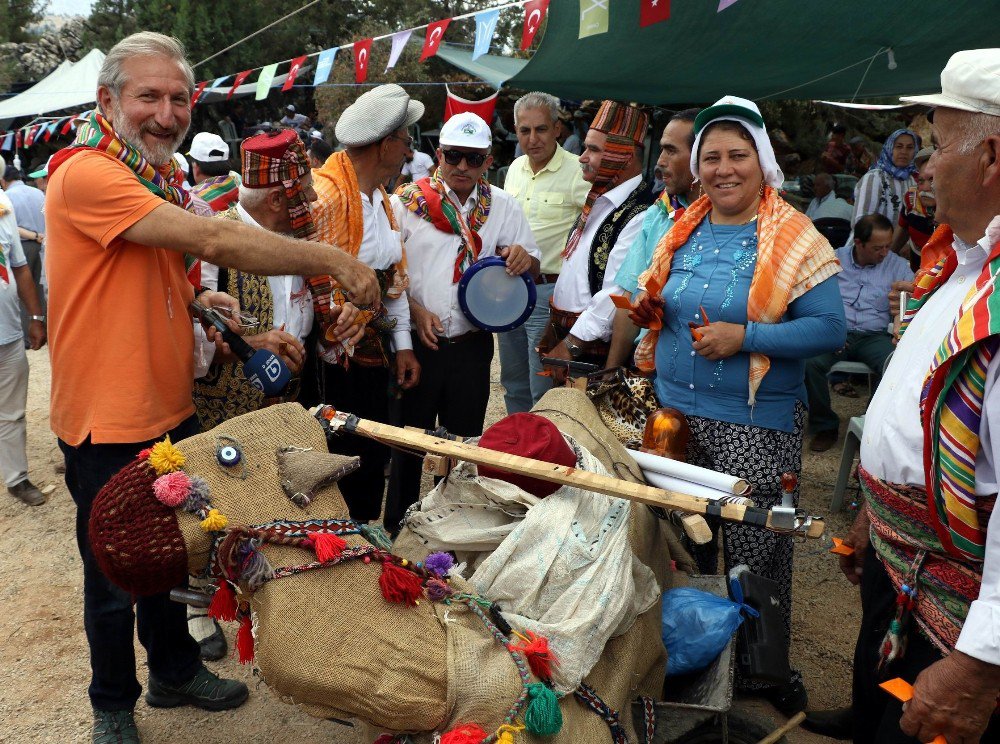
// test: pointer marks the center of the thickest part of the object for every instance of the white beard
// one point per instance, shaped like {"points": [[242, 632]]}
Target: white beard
{"points": [[156, 155]]}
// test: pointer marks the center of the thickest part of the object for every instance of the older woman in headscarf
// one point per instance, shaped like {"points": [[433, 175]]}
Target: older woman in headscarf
{"points": [[881, 189], [743, 290]]}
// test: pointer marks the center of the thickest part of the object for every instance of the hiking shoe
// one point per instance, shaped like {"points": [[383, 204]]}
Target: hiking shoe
{"points": [[823, 440], [114, 727], [788, 698], [204, 690], [25, 491]]}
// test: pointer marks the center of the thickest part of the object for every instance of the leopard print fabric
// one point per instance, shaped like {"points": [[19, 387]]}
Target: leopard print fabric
{"points": [[624, 402]]}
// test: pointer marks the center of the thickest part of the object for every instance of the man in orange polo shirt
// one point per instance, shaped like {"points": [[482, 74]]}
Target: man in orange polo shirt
{"points": [[122, 347]]}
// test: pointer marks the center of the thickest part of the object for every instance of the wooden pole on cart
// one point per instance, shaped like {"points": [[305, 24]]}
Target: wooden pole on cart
{"points": [[563, 475], [792, 723]]}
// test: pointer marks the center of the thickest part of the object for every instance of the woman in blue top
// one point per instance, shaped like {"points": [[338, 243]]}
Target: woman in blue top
{"points": [[746, 291]]}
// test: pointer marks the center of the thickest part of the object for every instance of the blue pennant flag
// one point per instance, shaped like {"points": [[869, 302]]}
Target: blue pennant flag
{"points": [[323, 65], [486, 24]]}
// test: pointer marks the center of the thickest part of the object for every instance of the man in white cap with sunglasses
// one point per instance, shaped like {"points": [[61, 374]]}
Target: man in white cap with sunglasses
{"points": [[926, 551], [449, 221]]}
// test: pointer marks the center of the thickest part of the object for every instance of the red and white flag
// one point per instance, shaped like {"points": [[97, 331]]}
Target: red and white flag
{"points": [[293, 73], [69, 126], [483, 109], [362, 52], [435, 32], [197, 92], [534, 12], [240, 77], [653, 11]]}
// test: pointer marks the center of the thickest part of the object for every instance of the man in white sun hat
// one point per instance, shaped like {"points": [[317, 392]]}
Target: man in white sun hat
{"points": [[449, 221], [926, 551], [210, 171]]}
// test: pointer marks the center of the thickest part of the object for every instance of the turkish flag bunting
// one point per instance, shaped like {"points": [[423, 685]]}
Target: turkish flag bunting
{"points": [[19, 138], [653, 11], [197, 93], [435, 32], [69, 125], [50, 129], [362, 54], [240, 77], [534, 12], [293, 72], [30, 138]]}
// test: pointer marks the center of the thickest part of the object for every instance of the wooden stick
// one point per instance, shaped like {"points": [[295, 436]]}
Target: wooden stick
{"points": [[563, 475], [792, 723]]}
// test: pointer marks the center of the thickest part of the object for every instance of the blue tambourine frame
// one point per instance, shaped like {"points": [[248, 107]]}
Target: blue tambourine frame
{"points": [[463, 285]]}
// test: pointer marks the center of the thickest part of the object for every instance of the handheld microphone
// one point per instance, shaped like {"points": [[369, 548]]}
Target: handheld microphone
{"points": [[262, 368]]}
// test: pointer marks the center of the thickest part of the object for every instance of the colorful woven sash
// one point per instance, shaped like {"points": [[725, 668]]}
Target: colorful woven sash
{"points": [[792, 258], [951, 405], [221, 192], [428, 199]]}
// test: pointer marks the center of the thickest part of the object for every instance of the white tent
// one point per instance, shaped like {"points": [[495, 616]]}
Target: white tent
{"points": [[70, 84]]}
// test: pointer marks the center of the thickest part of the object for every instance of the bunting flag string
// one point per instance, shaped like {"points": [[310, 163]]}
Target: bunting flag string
{"points": [[534, 13], [435, 32], [293, 73], [593, 17], [323, 66], [399, 41], [265, 80], [197, 92], [362, 50], [653, 11], [486, 26], [240, 77]]}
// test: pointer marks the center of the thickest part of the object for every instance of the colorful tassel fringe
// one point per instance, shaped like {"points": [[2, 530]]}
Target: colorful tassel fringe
{"points": [[214, 521], [244, 639], [505, 734], [327, 547], [224, 605], [165, 457], [469, 733], [543, 716], [399, 585], [172, 489], [540, 658]]}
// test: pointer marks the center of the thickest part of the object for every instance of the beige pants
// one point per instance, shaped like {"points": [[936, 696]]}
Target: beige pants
{"points": [[13, 399]]}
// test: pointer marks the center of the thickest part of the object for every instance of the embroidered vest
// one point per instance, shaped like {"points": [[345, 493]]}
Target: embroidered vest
{"points": [[609, 231]]}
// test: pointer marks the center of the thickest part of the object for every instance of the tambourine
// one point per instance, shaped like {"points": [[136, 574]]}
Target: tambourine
{"points": [[492, 299]]}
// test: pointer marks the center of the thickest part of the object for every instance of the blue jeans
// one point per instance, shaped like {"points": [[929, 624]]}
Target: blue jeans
{"points": [[519, 362], [108, 617]]}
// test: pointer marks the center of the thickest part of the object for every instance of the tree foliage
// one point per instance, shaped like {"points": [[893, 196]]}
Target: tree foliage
{"points": [[17, 18]]}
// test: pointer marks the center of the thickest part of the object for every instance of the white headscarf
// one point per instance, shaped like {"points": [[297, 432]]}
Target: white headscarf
{"points": [[728, 110]]}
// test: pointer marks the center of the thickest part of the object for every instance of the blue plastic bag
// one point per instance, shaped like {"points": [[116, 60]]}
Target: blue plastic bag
{"points": [[697, 626]]}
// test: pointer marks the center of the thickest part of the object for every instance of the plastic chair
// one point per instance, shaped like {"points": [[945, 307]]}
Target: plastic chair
{"points": [[852, 444], [854, 368]]}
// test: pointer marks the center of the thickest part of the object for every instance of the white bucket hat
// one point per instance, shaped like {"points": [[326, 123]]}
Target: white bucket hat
{"points": [[969, 82]]}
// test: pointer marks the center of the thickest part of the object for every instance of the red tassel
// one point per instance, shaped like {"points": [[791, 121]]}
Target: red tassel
{"points": [[223, 606], [540, 657], [470, 733], [327, 547], [399, 585], [244, 639]]}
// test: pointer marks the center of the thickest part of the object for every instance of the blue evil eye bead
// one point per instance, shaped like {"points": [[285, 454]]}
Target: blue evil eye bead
{"points": [[229, 455]]}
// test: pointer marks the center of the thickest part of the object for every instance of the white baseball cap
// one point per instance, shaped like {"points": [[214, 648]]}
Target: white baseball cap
{"points": [[969, 82], [183, 163], [208, 147], [466, 130]]}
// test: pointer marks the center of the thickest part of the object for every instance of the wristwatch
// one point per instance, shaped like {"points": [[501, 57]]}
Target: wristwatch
{"points": [[575, 350], [39, 318]]}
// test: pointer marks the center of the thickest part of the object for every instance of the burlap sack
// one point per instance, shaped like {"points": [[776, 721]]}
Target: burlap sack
{"points": [[634, 663]]}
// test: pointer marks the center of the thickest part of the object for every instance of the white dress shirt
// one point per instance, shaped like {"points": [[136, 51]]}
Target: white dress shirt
{"points": [[381, 248], [293, 307], [419, 167], [431, 253], [572, 290], [892, 446]]}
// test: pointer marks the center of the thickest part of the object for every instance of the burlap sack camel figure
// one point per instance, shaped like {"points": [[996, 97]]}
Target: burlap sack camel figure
{"points": [[339, 625]]}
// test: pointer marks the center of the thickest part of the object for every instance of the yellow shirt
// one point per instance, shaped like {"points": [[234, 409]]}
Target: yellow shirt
{"points": [[552, 199]]}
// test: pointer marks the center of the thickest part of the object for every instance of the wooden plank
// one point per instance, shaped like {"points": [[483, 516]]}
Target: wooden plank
{"points": [[564, 475]]}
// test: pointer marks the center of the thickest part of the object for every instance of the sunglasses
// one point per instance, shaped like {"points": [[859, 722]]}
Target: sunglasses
{"points": [[454, 157]]}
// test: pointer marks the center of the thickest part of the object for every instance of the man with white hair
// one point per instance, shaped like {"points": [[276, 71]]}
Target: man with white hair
{"points": [[213, 181], [926, 551], [449, 221], [122, 350], [548, 184]]}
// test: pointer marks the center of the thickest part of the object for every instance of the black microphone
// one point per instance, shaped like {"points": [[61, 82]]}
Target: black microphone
{"points": [[262, 368]]}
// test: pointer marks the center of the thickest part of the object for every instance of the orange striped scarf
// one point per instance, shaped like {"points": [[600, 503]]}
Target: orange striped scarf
{"points": [[792, 258]]}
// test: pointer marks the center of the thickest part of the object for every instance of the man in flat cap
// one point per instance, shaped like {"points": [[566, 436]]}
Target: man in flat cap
{"points": [[352, 212], [449, 221], [582, 311]]}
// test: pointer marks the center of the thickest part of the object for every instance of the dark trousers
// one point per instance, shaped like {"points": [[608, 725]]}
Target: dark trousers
{"points": [[363, 391], [454, 391], [108, 616], [869, 347], [876, 713]]}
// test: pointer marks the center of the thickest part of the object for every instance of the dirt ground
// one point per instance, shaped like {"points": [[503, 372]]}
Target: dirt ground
{"points": [[43, 651]]}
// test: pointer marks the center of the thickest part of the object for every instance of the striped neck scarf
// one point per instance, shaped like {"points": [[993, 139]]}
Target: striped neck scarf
{"points": [[792, 258], [428, 199], [96, 133], [951, 404]]}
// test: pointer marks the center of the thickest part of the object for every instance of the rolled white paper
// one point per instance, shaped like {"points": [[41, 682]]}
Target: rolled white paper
{"points": [[730, 484], [690, 488]]}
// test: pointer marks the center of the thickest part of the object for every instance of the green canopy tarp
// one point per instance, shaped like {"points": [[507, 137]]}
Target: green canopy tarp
{"points": [[489, 67], [758, 49]]}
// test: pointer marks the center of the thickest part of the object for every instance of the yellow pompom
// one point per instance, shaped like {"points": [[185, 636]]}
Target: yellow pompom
{"points": [[165, 457], [505, 734], [215, 521]]}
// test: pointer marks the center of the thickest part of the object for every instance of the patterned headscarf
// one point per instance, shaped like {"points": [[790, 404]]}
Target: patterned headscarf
{"points": [[279, 157], [625, 127], [884, 162]]}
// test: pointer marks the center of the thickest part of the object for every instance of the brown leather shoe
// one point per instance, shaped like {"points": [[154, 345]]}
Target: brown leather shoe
{"points": [[823, 441], [25, 491]]}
